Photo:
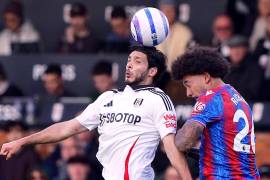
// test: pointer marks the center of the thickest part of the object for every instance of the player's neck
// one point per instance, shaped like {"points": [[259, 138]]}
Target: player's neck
{"points": [[215, 83]]}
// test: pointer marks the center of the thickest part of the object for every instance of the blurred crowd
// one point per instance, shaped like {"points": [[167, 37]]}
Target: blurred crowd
{"points": [[241, 33]]}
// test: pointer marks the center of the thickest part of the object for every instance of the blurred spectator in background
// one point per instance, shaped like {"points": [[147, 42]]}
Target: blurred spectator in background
{"points": [[20, 165], [48, 108], [179, 36], [171, 174], [265, 172], [222, 31], [259, 27], [176, 43], [262, 55], [68, 148], [89, 142], [79, 168], [79, 38], [102, 77], [19, 35], [120, 38], [48, 154], [243, 15], [161, 161], [263, 45], [37, 174], [53, 81], [245, 75], [7, 89]]}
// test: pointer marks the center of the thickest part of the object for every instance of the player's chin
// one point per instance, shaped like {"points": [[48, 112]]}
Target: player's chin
{"points": [[129, 81]]}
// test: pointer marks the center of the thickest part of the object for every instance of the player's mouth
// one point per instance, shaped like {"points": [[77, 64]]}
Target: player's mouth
{"points": [[128, 74]]}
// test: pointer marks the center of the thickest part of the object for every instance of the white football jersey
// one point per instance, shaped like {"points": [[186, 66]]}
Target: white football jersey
{"points": [[131, 123]]}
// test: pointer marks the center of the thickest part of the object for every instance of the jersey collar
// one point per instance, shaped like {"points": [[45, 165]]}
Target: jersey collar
{"points": [[137, 87], [214, 90]]}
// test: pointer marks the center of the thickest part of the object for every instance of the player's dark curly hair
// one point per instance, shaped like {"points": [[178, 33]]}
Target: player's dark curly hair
{"points": [[155, 59], [199, 60]]}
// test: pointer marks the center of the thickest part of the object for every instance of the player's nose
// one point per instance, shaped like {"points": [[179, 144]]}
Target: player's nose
{"points": [[129, 65]]}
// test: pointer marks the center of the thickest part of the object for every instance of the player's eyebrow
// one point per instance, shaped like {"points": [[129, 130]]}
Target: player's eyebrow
{"points": [[134, 57]]}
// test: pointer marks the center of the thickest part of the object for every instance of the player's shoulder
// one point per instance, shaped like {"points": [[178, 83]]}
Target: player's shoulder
{"points": [[159, 97], [156, 92], [150, 92], [210, 96], [107, 94]]}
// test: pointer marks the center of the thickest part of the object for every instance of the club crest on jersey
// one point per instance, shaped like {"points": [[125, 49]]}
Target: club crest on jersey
{"points": [[199, 107], [138, 102]]}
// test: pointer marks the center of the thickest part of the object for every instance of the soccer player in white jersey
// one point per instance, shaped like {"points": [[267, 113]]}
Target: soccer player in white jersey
{"points": [[131, 122]]}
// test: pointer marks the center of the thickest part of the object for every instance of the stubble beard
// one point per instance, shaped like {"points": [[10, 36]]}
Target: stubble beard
{"points": [[137, 80]]}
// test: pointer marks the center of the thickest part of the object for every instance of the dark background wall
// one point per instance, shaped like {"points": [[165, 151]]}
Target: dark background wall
{"points": [[26, 71]]}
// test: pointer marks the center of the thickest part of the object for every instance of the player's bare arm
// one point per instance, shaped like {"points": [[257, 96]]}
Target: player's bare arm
{"points": [[176, 158], [188, 135], [53, 133]]}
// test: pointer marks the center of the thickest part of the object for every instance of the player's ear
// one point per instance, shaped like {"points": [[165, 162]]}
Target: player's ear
{"points": [[152, 71], [207, 78]]}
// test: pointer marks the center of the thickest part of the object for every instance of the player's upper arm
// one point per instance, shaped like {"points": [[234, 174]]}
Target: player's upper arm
{"points": [[169, 142], [164, 115], [71, 127], [170, 148], [188, 135]]}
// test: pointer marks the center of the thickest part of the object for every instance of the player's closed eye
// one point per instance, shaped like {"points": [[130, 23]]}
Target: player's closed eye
{"points": [[138, 61]]}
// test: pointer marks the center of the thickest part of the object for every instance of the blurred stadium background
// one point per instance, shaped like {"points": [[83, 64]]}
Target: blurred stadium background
{"points": [[41, 40]]}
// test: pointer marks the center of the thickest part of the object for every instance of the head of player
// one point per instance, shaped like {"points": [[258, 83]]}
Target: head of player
{"points": [[145, 66], [201, 69]]}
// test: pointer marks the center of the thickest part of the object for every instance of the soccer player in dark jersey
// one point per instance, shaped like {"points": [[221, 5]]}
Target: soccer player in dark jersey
{"points": [[221, 118]]}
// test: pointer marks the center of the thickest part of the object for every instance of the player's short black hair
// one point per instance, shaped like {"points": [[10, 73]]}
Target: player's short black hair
{"points": [[118, 12], [80, 159], [78, 9], [12, 124], [102, 67], [54, 69], [155, 59], [15, 7], [199, 60]]}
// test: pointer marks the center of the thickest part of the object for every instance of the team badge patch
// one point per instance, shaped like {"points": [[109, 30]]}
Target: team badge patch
{"points": [[199, 107], [138, 102]]}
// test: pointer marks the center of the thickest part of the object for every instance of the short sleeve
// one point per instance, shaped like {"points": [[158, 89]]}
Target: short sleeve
{"points": [[208, 109], [164, 116], [90, 116]]}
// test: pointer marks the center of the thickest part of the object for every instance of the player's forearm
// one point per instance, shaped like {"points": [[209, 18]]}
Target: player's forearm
{"points": [[188, 135], [49, 135], [53, 133], [176, 158], [184, 143], [179, 162]]}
